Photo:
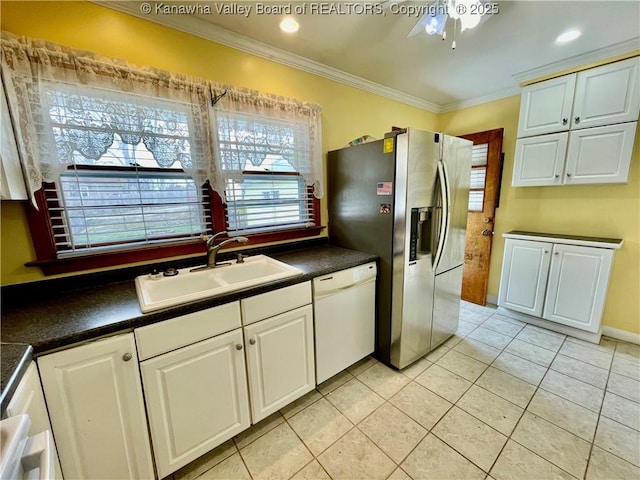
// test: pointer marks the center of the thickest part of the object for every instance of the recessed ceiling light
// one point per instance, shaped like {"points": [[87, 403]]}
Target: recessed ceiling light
{"points": [[568, 35], [289, 25]]}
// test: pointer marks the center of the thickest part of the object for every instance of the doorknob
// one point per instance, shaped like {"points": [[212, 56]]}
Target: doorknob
{"points": [[487, 233]]}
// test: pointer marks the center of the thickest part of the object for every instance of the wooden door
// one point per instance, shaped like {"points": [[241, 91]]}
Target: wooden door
{"points": [[94, 395], [280, 360], [483, 193], [196, 398]]}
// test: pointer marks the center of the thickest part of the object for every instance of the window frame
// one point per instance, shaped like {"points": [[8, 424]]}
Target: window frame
{"points": [[47, 260]]}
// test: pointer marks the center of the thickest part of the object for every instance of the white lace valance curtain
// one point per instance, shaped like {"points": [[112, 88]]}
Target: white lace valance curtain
{"points": [[65, 101], [252, 126]]}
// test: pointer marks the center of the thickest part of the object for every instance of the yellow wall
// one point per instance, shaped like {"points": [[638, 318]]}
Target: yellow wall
{"points": [[599, 210], [347, 113], [591, 210]]}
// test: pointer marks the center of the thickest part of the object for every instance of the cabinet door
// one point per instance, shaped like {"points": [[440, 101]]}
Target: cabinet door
{"points": [[12, 185], [545, 107], [525, 269], [280, 360], [96, 408], [29, 399], [578, 281], [196, 398], [540, 160], [600, 154], [607, 94]]}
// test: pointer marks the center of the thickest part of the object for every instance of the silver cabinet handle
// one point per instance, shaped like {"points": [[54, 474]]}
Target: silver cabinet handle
{"points": [[126, 357], [252, 341], [238, 347], [565, 121], [577, 119]]}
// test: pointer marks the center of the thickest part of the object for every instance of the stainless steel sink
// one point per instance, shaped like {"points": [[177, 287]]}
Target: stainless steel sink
{"points": [[157, 291]]}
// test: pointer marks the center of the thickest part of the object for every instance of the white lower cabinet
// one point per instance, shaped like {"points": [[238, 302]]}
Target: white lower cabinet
{"points": [[525, 269], [280, 360], [29, 399], [578, 280], [207, 376], [563, 283], [196, 399], [95, 403]]}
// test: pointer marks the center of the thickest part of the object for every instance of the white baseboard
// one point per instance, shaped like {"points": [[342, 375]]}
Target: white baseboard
{"points": [[554, 327], [607, 331], [621, 334], [492, 299]]}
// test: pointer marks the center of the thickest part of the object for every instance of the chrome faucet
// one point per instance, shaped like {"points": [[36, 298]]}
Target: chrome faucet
{"points": [[213, 248]]}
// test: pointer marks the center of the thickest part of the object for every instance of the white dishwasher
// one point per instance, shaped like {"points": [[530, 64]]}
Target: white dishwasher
{"points": [[344, 306]]}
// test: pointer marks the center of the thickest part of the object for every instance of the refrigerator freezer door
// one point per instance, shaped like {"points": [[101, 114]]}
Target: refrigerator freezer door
{"points": [[446, 305], [412, 297], [456, 157]]}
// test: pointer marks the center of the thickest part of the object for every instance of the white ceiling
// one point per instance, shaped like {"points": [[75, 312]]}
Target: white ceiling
{"points": [[374, 53]]}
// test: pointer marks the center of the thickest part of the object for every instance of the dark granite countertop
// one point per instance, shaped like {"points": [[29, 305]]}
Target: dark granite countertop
{"points": [[14, 360], [564, 238], [49, 317]]}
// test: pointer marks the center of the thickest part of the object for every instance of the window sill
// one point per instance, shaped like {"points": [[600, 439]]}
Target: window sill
{"points": [[115, 259]]}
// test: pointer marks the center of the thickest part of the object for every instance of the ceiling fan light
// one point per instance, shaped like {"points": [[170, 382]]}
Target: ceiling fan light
{"points": [[435, 24], [468, 19], [451, 8]]}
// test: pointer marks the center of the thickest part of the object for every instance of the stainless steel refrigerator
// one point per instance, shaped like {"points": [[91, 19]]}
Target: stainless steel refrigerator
{"points": [[404, 198]]}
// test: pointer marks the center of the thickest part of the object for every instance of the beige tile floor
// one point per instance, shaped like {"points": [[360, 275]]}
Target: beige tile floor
{"points": [[499, 400]]}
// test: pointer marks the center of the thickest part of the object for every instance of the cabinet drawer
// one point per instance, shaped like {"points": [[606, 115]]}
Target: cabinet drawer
{"points": [[175, 333], [272, 303]]}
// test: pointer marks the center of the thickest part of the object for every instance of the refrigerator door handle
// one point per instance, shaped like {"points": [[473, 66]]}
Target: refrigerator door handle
{"points": [[444, 220]]}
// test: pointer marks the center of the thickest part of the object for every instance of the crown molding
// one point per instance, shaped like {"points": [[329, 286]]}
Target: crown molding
{"points": [[596, 55], [453, 106], [200, 28]]}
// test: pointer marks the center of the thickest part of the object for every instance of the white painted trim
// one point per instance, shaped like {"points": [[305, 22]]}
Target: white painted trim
{"points": [[492, 299], [578, 60], [453, 106], [554, 327], [200, 28], [618, 334]]}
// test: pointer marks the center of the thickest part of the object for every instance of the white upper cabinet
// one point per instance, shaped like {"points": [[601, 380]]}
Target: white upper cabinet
{"points": [[540, 160], [600, 154], [12, 186], [607, 94], [569, 136], [545, 107]]}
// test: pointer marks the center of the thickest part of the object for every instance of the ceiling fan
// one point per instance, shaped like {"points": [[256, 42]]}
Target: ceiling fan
{"points": [[434, 15]]}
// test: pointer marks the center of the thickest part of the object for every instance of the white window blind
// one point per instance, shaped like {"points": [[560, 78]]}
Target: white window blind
{"points": [[126, 186], [479, 155], [264, 190]]}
